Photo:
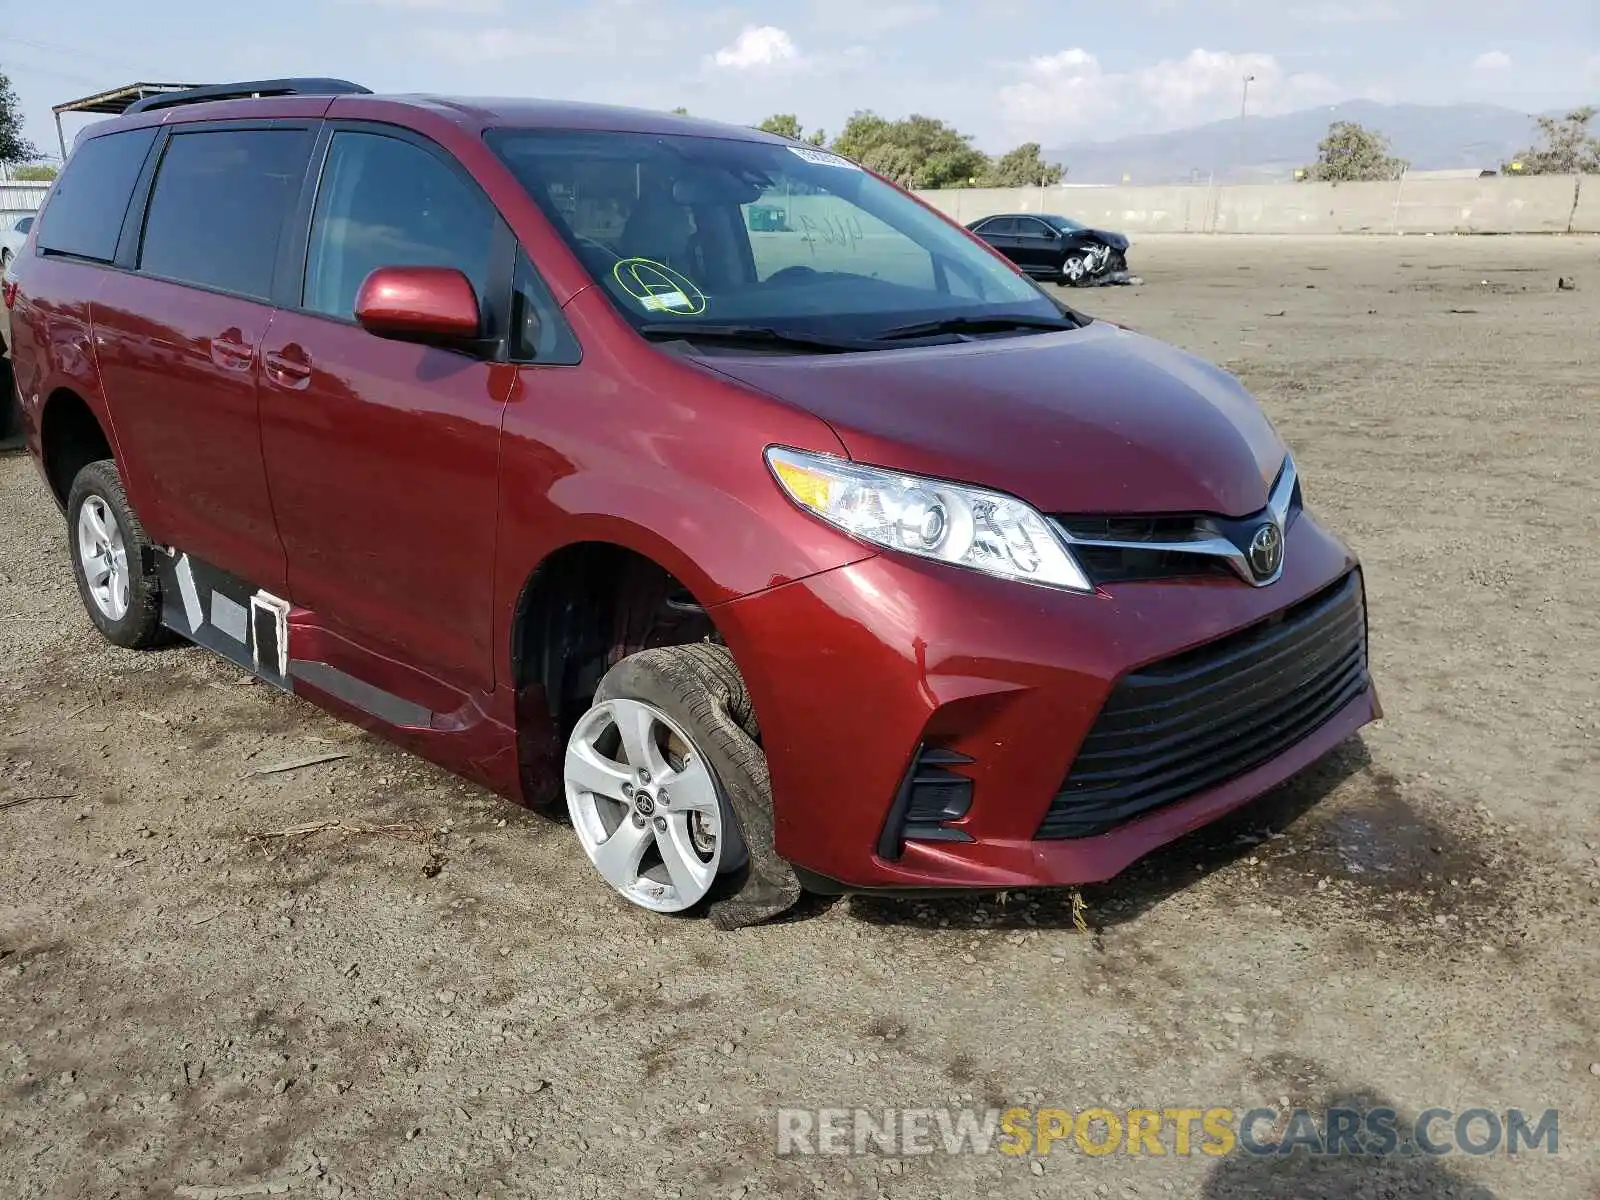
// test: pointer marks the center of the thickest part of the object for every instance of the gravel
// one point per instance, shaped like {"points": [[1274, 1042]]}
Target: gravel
{"points": [[188, 1009]]}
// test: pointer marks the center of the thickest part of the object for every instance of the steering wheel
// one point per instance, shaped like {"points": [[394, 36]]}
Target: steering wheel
{"points": [[791, 274]]}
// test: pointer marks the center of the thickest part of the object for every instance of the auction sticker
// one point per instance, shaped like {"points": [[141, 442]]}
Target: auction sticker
{"points": [[822, 158], [658, 288]]}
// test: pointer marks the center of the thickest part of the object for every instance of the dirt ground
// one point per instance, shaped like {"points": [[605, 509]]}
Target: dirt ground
{"points": [[374, 1015]]}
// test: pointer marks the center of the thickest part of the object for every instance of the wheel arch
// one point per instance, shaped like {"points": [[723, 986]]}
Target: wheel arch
{"points": [[71, 436], [582, 608]]}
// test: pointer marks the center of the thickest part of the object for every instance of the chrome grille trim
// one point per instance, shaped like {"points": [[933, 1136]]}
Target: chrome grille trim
{"points": [[1207, 540]]}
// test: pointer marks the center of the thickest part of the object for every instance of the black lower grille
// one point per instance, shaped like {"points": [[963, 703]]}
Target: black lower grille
{"points": [[929, 795], [1201, 718]]}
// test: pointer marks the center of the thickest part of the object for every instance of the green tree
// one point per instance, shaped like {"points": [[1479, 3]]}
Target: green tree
{"points": [[788, 125], [1351, 152], [680, 111], [1022, 167], [917, 151], [36, 173], [1566, 147], [14, 148]]}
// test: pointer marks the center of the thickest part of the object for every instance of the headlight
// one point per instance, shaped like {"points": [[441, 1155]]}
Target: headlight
{"points": [[966, 526]]}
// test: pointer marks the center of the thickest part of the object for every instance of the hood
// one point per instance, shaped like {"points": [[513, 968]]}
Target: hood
{"points": [[1097, 420]]}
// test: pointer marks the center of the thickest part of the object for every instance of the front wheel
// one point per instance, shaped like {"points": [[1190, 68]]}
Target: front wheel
{"points": [[668, 792], [1075, 268]]}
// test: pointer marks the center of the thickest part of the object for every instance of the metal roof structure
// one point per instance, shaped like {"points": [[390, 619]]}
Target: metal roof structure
{"points": [[112, 103]]}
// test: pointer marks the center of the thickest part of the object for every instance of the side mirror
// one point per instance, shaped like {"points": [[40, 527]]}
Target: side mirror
{"points": [[418, 304]]}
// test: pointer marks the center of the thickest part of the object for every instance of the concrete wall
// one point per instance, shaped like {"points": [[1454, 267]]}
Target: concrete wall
{"points": [[1546, 204]]}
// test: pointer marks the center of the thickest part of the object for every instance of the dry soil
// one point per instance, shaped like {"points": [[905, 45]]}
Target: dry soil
{"points": [[471, 1013]]}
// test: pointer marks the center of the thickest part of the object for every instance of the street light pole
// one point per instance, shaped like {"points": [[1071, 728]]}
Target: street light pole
{"points": [[1244, 100]]}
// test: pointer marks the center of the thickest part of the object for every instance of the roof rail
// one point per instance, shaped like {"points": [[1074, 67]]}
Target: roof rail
{"points": [[251, 88]]}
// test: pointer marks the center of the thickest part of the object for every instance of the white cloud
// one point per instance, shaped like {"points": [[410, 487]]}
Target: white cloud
{"points": [[1492, 60], [1065, 62], [1068, 93], [757, 46]]}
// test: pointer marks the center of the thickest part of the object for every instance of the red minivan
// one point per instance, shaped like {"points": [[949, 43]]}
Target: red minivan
{"points": [[819, 548]]}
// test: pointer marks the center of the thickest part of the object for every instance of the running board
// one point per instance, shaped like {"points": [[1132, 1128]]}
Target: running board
{"points": [[226, 615], [250, 628], [358, 693], [300, 652]]}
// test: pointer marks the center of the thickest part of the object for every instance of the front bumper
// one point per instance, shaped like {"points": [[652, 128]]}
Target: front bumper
{"points": [[854, 669]]}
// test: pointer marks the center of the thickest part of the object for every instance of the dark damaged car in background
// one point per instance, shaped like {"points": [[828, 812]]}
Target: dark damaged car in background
{"points": [[774, 559], [1057, 248]]}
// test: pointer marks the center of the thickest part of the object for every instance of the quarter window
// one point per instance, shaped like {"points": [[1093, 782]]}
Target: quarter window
{"points": [[84, 215], [539, 333], [386, 202], [220, 203]]}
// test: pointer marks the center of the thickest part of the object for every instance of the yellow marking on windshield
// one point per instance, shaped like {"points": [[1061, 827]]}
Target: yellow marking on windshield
{"points": [[658, 288]]}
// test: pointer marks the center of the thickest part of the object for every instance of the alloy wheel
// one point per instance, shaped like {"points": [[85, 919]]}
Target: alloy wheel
{"points": [[1075, 267], [646, 807], [104, 557]]}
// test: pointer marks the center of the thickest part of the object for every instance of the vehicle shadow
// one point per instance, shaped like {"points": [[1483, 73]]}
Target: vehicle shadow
{"points": [[1305, 1176], [1142, 886]]}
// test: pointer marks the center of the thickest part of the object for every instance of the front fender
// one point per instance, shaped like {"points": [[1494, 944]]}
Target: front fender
{"points": [[639, 449]]}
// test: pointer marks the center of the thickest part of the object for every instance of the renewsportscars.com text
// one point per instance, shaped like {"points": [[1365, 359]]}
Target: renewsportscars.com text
{"points": [[1154, 1132]]}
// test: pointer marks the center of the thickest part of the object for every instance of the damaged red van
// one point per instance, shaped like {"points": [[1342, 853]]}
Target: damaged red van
{"points": [[685, 475]]}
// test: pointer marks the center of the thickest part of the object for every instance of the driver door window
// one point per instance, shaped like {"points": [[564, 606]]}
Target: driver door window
{"points": [[384, 202]]}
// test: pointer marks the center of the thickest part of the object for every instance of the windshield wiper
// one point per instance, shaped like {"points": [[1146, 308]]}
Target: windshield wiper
{"points": [[756, 334], [999, 323]]}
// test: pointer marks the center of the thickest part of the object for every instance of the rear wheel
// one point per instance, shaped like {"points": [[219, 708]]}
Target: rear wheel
{"points": [[121, 594]]}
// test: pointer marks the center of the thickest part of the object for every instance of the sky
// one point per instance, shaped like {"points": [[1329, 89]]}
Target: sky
{"points": [[1005, 71]]}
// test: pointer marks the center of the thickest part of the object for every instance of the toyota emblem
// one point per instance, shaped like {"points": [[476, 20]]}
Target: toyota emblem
{"points": [[1266, 551]]}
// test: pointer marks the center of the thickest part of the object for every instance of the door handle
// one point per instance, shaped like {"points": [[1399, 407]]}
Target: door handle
{"points": [[290, 367], [231, 352]]}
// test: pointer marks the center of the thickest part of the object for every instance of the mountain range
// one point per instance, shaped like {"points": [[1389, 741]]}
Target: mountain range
{"points": [[1265, 149]]}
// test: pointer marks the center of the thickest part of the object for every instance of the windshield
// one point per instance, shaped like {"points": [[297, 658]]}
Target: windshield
{"points": [[701, 231], [1066, 223]]}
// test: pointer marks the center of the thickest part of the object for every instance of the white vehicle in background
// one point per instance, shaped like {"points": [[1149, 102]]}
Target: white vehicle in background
{"points": [[11, 240], [10, 243]]}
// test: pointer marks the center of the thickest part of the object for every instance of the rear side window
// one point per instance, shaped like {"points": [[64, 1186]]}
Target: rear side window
{"points": [[25, 224], [384, 202], [219, 207], [90, 199]]}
